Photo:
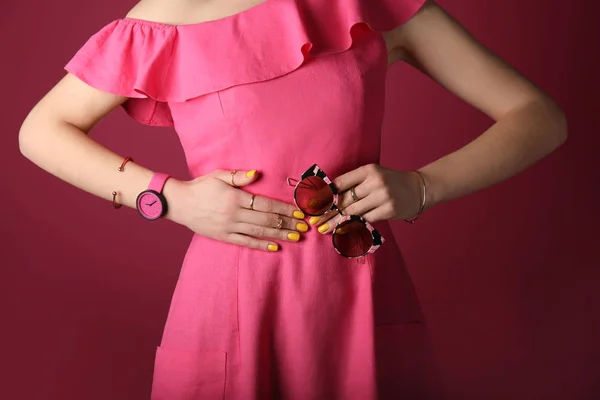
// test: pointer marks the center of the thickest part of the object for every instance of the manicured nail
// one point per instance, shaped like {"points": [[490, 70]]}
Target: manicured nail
{"points": [[298, 214], [302, 227], [250, 174], [273, 247], [314, 220], [294, 236], [323, 228]]}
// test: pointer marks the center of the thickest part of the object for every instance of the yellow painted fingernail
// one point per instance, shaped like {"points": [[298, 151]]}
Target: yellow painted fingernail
{"points": [[250, 174], [314, 220], [302, 227], [298, 214], [323, 228], [294, 236], [273, 247]]}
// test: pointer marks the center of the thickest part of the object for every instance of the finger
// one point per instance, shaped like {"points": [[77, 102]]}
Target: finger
{"points": [[359, 208], [345, 198], [238, 178], [352, 178], [320, 220], [268, 205], [344, 201], [376, 214], [270, 220], [252, 243], [263, 232]]}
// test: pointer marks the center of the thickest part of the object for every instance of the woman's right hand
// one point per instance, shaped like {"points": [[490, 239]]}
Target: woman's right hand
{"points": [[210, 206]]}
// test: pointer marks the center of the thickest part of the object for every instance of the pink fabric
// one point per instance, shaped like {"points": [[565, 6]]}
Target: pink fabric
{"points": [[277, 88], [160, 63]]}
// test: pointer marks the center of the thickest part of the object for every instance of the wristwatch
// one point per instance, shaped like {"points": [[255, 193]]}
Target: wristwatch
{"points": [[151, 203]]}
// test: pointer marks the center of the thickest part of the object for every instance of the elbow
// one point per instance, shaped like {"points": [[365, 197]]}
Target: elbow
{"points": [[30, 143], [27, 141], [559, 126], [556, 129]]}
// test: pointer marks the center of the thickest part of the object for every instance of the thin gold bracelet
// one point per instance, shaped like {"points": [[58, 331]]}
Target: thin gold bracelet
{"points": [[114, 194], [423, 202]]}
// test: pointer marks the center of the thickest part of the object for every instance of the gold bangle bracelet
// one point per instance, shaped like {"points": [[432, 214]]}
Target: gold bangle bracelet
{"points": [[114, 194], [423, 200]]}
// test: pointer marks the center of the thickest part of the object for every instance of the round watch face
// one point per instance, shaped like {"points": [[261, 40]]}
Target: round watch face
{"points": [[150, 205]]}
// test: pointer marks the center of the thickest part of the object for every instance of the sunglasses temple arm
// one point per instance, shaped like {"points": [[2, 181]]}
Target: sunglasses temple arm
{"points": [[292, 181], [310, 185]]}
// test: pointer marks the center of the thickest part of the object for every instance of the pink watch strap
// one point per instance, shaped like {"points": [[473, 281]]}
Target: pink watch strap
{"points": [[158, 181]]}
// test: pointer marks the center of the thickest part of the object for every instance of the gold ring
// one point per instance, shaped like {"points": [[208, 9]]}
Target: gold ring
{"points": [[232, 174], [279, 222], [353, 194], [252, 202]]}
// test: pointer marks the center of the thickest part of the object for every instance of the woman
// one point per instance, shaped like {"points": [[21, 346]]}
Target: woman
{"points": [[259, 92]]}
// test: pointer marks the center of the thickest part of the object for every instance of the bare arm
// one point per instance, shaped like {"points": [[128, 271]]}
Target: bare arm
{"points": [[54, 136], [529, 124]]}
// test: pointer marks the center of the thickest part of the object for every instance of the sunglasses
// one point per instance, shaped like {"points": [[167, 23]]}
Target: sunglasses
{"points": [[315, 195]]}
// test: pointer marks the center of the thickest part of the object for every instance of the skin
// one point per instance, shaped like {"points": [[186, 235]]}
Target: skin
{"points": [[529, 125]]}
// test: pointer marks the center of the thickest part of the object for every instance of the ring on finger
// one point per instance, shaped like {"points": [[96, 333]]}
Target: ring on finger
{"points": [[353, 194], [252, 202], [232, 175], [279, 222]]}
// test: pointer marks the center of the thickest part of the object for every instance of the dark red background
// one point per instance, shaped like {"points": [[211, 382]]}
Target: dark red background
{"points": [[507, 276]]}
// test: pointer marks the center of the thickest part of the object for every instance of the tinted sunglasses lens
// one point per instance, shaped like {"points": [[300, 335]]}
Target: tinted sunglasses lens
{"points": [[352, 238], [313, 196]]}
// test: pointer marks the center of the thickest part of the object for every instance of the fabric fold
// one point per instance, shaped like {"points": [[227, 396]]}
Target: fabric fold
{"points": [[154, 63]]}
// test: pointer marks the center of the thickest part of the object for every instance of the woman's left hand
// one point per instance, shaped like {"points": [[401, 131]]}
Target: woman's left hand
{"points": [[381, 193]]}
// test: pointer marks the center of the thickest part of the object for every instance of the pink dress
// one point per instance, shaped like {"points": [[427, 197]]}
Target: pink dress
{"points": [[277, 88]]}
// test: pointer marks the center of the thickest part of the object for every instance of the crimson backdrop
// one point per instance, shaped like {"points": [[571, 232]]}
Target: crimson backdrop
{"points": [[507, 276]]}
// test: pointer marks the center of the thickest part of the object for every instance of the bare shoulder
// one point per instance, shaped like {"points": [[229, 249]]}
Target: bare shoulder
{"points": [[163, 11], [181, 12], [80, 103]]}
